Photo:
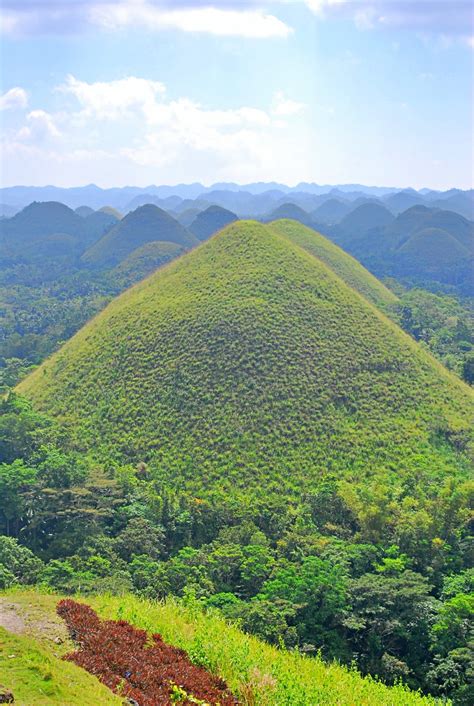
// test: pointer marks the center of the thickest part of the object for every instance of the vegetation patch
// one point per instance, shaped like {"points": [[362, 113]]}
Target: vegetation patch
{"points": [[136, 666]]}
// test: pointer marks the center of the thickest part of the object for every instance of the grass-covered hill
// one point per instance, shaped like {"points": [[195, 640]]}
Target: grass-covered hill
{"points": [[344, 265], [145, 260], [331, 211], [365, 217], [257, 673], [432, 249], [249, 366], [37, 221], [291, 211], [388, 245], [211, 220], [147, 224]]}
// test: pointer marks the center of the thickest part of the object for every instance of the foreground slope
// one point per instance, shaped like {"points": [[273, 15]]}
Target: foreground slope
{"points": [[257, 673], [344, 265], [248, 363], [147, 224]]}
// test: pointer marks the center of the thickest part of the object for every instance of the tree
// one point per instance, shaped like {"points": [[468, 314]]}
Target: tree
{"points": [[318, 590]]}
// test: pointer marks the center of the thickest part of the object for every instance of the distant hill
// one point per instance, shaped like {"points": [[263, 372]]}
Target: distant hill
{"points": [[210, 221], [111, 212], [147, 224], [461, 202], [145, 260], [442, 254], [249, 367], [84, 211], [402, 200], [290, 211], [37, 221], [432, 249], [98, 224], [364, 218], [331, 211], [187, 217]]}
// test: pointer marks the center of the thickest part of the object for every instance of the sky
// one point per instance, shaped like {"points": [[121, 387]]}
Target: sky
{"points": [[139, 92]]}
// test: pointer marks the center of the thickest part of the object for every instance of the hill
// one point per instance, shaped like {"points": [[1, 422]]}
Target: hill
{"points": [[432, 248], [84, 211], [111, 212], [210, 221], [257, 673], [362, 219], [349, 269], [145, 260], [290, 211], [248, 367], [146, 224], [39, 220], [331, 211]]}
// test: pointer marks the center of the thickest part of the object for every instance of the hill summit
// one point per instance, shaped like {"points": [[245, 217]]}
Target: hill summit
{"points": [[250, 364], [146, 224]]}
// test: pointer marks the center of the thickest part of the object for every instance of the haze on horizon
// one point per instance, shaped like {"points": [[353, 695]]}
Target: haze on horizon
{"points": [[141, 92]]}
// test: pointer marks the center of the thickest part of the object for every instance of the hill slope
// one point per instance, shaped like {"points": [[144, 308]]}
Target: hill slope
{"points": [[248, 363], [257, 673], [339, 261], [146, 224]]}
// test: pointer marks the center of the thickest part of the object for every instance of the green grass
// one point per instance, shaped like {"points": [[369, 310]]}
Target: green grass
{"points": [[38, 677], [145, 259], [260, 675], [343, 264], [247, 366]]}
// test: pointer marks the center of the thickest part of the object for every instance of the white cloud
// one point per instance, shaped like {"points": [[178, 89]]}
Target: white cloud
{"points": [[40, 127], [14, 98], [130, 126], [236, 19], [211, 20], [428, 16], [109, 100], [283, 106]]}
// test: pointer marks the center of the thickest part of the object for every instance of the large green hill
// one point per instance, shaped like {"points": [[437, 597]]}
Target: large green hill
{"points": [[249, 364], [147, 224]]}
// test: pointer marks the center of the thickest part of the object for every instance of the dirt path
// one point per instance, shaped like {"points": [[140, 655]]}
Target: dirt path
{"points": [[10, 618], [31, 619]]}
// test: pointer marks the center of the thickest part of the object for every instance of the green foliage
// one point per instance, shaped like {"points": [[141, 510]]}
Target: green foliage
{"points": [[441, 323], [17, 563]]}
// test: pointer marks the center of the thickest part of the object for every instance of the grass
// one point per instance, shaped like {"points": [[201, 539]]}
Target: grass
{"points": [[38, 677], [249, 366], [343, 264], [260, 675]]}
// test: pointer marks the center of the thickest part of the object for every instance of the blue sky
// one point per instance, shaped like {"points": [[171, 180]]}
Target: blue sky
{"points": [[147, 91]]}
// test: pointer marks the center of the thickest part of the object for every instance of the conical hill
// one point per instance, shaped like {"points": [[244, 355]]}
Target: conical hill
{"points": [[343, 264], [249, 366], [147, 224]]}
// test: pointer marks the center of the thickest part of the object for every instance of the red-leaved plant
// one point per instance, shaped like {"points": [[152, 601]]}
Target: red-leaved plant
{"points": [[143, 669]]}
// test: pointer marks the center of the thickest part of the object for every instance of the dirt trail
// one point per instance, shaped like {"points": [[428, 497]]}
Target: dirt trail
{"points": [[30, 619]]}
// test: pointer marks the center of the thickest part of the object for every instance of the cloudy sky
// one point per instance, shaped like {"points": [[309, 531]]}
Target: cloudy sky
{"points": [[137, 92]]}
